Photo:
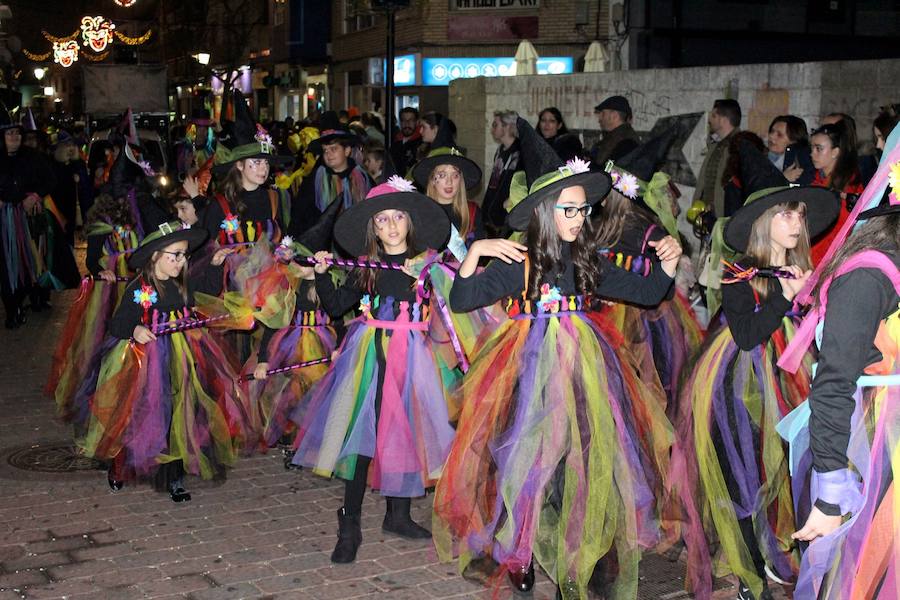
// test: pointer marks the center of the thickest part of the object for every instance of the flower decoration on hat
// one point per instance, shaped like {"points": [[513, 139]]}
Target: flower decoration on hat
{"points": [[265, 140], [146, 296], [399, 184], [146, 168], [230, 224], [575, 166], [626, 184], [550, 299]]}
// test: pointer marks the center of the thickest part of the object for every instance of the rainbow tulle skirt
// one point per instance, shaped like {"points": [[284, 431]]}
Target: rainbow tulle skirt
{"points": [[383, 398], [560, 453]]}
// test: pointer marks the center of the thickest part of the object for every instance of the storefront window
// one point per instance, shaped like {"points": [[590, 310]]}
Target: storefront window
{"points": [[358, 15]]}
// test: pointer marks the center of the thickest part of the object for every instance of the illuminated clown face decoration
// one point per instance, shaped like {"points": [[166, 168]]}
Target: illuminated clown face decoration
{"points": [[96, 32], [65, 53]]}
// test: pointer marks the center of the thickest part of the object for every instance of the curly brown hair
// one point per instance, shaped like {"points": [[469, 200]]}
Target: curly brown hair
{"points": [[110, 210]]}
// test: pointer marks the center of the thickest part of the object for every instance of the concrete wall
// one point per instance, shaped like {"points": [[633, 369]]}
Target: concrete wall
{"points": [[808, 90]]}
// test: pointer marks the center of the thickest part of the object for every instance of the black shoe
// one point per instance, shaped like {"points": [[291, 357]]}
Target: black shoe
{"points": [[744, 592], [522, 581], [11, 323], [178, 493], [21, 316], [114, 484], [349, 538], [398, 521]]}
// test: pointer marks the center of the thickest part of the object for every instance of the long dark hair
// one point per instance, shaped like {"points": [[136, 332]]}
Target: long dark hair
{"points": [[149, 273], [733, 166], [366, 278], [845, 168], [878, 233], [232, 188], [545, 250]]}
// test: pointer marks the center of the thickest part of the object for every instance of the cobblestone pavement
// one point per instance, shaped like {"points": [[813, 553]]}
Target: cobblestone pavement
{"points": [[264, 533]]}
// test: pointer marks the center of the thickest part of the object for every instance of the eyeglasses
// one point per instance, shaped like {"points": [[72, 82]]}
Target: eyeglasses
{"points": [[177, 256], [382, 221], [442, 175], [571, 211]]}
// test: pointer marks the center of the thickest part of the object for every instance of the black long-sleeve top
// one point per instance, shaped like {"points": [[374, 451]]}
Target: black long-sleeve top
{"points": [[750, 327], [857, 303], [93, 259], [130, 314], [303, 304], [258, 210], [500, 280], [389, 283], [25, 172]]}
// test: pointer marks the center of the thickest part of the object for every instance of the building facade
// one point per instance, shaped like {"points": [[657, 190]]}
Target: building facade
{"points": [[438, 41]]}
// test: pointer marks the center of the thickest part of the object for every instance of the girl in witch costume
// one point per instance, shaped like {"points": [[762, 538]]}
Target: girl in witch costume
{"points": [[844, 440], [639, 210], [247, 209], [111, 237], [309, 336], [380, 414], [550, 461], [728, 460], [160, 399]]}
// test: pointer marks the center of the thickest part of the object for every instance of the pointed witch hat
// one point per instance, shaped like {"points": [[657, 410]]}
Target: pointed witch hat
{"points": [[248, 140], [764, 186]]}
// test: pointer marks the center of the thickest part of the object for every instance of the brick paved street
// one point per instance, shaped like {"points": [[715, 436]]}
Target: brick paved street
{"points": [[264, 533]]}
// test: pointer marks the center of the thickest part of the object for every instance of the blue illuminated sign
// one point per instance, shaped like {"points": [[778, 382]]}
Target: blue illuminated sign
{"points": [[441, 71], [404, 70]]}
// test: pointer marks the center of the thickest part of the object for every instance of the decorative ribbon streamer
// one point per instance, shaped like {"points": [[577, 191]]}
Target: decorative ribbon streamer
{"points": [[309, 363], [739, 273]]}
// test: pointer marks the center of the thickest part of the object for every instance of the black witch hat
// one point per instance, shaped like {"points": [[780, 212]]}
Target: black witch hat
{"points": [[646, 159], [764, 186], [247, 139]]}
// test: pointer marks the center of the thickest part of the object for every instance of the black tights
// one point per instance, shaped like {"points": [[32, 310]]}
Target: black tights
{"points": [[355, 489]]}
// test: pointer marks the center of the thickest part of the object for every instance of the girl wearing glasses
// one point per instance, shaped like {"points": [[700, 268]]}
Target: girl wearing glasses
{"points": [[546, 464], [379, 416], [729, 461], [160, 400]]}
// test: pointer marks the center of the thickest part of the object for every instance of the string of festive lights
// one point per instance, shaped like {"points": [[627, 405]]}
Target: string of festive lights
{"points": [[126, 3], [58, 40], [96, 57], [36, 57], [133, 41]]}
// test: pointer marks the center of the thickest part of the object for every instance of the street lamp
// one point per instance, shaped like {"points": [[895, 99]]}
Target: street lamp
{"points": [[48, 91], [202, 58], [39, 73]]}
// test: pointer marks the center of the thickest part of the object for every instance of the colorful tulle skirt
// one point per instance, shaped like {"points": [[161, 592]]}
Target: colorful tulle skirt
{"points": [[382, 398], [172, 399], [729, 463], [560, 452], [21, 264], [272, 401], [861, 559]]}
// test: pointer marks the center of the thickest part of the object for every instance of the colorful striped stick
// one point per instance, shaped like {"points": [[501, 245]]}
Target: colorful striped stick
{"points": [[309, 363], [363, 263], [185, 324], [98, 278], [739, 273]]}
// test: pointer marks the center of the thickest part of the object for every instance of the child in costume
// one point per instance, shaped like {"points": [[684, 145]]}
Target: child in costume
{"points": [[111, 237], [160, 398], [549, 459], [729, 461], [309, 336], [845, 458], [639, 210], [380, 414]]}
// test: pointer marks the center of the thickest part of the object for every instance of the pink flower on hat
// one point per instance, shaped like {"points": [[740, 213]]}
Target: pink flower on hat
{"points": [[395, 183]]}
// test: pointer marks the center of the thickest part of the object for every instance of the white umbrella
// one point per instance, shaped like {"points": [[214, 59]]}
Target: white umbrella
{"points": [[595, 59], [526, 59]]}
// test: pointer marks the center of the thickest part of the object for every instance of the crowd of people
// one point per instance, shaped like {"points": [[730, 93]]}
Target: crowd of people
{"points": [[535, 361]]}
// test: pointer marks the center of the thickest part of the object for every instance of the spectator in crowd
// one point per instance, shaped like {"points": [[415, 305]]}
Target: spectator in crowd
{"points": [[883, 125], [506, 162], [438, 131], [619, 138], [404, 150], [373, 161], [551, 125], [788, 143], [374, 130], [835, 160], [733, 180], [724, 121]]}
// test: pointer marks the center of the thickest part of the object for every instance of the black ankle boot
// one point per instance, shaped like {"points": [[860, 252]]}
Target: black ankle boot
{"points": [[522, 581], [114, 484], [178, 493], [349, 537], [398, 521]]}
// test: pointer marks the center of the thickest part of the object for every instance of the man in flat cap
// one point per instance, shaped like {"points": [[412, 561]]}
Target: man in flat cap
{"points": [[614, 116]]}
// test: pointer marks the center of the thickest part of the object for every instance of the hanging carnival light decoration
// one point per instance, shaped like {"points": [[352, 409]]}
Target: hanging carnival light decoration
{"points": [[65, 53], [126, 3], [96, 57], [52, 38], [97, 32], [36, 57], [133, 41]]}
